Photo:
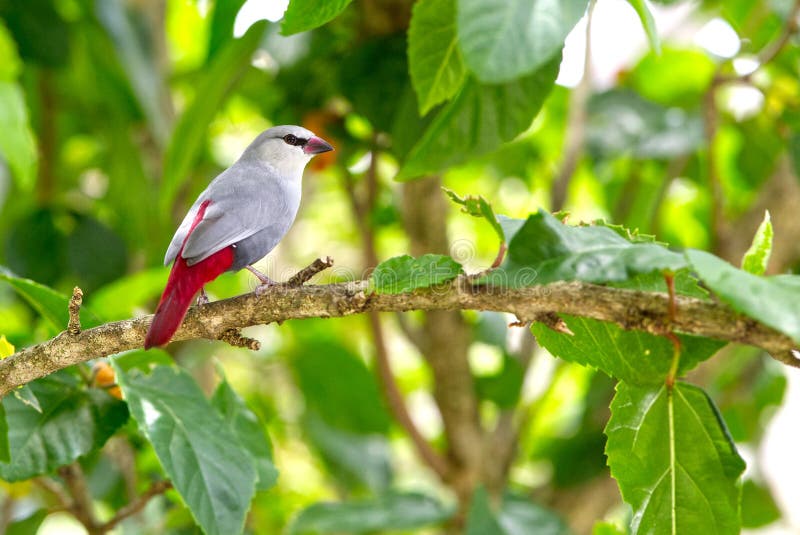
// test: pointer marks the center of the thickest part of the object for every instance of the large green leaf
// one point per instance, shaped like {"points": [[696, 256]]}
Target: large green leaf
{"points": [[135, 57], [356, 460], [632, 356], [223, 17], [517, 516], [434, 60], [304, 15], [250, 430], [408, 511], [209, 467], [478, 120], [73, 422], [121, 298], [338, 386], [756, 258], [674, 461], [542, 249], [225, 69], [17, 146], [52, 305], [769, 300], [405, 273], [505, 39], [622, 123]]}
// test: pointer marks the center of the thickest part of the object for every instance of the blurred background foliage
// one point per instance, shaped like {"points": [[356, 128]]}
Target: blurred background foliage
{"points": [[115, 114]]}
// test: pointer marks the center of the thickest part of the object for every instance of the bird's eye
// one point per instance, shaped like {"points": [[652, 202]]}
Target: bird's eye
{"points": [[290, 139]]}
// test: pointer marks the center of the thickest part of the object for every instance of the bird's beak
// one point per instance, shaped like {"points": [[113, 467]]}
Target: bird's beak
{"points": [[317, 145]]}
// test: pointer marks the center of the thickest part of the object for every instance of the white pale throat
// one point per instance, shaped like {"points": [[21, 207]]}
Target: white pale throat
{"points": [[287, 160]]}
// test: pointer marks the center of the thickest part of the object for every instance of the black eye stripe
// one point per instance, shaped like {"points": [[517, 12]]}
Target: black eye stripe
{"points": [[291, 139]]}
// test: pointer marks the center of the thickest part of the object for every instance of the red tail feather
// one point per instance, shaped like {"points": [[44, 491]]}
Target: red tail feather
{"points": [[184, 282]]}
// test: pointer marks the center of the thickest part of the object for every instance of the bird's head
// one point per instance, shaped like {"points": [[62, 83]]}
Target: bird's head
{"points": [[287, 148]]}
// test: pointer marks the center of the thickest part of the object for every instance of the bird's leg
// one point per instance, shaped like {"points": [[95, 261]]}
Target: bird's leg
{"points": [[202, 298], [266, 282]]}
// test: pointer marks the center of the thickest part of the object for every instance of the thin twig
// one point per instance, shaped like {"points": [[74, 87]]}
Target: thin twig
{"points": [[307, 273], [75, 302], [56, 490], [575, 132], [81, 504], [139, 503]]}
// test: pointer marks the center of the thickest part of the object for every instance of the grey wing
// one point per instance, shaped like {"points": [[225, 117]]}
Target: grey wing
{"points": [[180, 234], [243, 202]]}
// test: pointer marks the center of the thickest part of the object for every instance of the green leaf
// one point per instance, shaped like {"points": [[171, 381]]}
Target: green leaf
{"points": [[635, 357], [757, 256], [304, 15], [5, 448], [357, 460], [121, 298], [17, 145], [521, 516], [435, 64], [505, 39], [769, 300], [504, 387], [622, 123], [481, 520], [132, 47], [478, 207], [200, 453], [395, 512], [339, 387], [213, 88], [250, 430], [26, 395], [542, 249], [674, 461], [28, 525], [648, 23], [758, 506], [73, 421], [607, 528], [517, 516], [50, 304], [405, 273], [478, 120], [223, 16], [142, 360], [675, 77]]}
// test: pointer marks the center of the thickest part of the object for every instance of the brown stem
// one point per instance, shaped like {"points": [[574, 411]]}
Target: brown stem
{"points": [[133, 507], [631, 309], [81, 500], [391, 391], [575, 132]]}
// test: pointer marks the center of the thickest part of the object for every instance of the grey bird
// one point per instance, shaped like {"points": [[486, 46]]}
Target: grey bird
{"points": [[239, 218]]}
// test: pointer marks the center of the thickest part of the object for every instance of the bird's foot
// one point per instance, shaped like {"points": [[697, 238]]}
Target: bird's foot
{"points": [[266, 282], [263, 289], [202, 299]]}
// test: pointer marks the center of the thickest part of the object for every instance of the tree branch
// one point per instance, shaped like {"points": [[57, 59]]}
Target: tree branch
{"points": [[632, 309], [130, 509]]}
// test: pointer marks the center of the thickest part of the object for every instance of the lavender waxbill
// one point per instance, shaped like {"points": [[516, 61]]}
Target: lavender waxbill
{"points": [[236, 221]]}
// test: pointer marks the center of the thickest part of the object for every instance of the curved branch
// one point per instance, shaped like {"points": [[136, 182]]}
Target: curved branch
{"points": [[631, 309]]}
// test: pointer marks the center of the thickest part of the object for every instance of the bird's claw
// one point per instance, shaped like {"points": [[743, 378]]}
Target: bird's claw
{"points": [[202, 299], [264, 288]]}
